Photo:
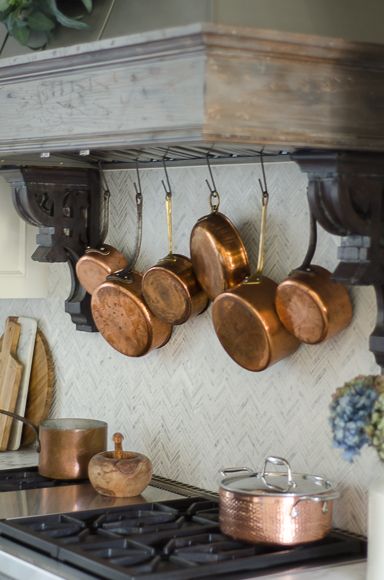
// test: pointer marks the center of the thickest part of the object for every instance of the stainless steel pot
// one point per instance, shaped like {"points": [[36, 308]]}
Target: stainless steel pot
{"points": [[276, 507]]}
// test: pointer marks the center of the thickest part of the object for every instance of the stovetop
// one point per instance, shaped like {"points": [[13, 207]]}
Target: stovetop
{"points": [[29, 478], [166, 540]]}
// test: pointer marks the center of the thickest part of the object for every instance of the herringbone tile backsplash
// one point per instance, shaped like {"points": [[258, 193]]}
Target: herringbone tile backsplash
{"points": [[188, 406]]}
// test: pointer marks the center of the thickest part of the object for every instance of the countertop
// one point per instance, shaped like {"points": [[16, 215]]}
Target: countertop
{"points": [[39, 568]]}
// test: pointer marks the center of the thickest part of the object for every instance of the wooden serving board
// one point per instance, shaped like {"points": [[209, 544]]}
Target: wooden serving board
{"points": [[41, 386], [10, 376], [25, 350]]}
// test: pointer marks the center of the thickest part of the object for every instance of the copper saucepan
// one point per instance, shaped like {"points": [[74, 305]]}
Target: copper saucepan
{"points": [[66, 446], [120, 312], [309, 303], [275, 507], [246, 321], [219, 257], [170, 288], [98, 263]]}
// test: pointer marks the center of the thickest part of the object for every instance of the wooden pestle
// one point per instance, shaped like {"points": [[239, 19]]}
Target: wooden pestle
{"points": [[118, 452]]}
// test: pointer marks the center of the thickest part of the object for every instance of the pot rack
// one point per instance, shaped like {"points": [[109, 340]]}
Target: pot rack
{"points": [[184, 94]]}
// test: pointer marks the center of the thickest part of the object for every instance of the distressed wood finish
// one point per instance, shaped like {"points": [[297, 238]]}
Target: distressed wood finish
{"points": [[198, 83]]}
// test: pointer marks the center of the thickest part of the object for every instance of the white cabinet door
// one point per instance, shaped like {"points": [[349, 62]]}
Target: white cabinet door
{"points": [[20, 276]]}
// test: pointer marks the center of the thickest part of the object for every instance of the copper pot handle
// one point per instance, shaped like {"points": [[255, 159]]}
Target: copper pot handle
{"points": [[102, 251], [227, 470], [278, 461], [316, 498], [26, 422]]}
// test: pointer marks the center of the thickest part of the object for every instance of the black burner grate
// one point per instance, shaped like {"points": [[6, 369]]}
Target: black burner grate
{"points": [[29, 478], [174, 540]]}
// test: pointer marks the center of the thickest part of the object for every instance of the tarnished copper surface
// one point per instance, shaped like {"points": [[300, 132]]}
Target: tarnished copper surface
{"points": [[172, 291], [218, 254], [67, 446], [248, 327], [312, 306], [96, 264], [124, 319], [268, 520]]}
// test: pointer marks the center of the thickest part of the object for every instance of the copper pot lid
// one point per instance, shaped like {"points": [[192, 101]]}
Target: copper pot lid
{"points": [[276, 483]]}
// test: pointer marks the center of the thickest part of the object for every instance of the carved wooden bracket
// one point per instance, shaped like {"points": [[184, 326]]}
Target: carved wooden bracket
{"points": [[69, 209], [346, 195]]}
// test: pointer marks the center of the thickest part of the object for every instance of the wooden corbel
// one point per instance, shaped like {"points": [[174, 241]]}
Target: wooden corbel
{"points": [[69, 208], [346, 195]]}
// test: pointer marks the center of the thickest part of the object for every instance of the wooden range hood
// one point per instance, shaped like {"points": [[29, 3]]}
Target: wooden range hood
{"points": [[187, 92]]}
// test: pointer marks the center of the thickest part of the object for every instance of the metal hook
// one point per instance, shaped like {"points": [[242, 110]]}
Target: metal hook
{"points": [[103, 180], [264, 188], [169, 190], [212, 188], [137, 185]]}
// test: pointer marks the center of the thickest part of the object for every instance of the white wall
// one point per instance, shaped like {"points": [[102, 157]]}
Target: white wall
{"points": [[189, 406]]}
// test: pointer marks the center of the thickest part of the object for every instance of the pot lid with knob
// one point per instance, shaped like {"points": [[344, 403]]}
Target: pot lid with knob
{"points": [[275, 483]]}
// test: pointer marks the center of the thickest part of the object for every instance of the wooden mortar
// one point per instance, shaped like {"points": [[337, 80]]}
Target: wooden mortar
{"points": [[119, 473]]}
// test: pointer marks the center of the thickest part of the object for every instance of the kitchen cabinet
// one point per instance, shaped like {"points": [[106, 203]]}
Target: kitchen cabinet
{"points": [[20, 276]]}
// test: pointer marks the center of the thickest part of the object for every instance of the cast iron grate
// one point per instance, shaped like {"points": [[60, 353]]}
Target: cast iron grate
{"points": [[29, 478], [174, 540]]}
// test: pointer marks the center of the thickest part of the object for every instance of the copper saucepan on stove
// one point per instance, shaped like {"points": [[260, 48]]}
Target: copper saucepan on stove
{"points": [[245, 319], [309, 303], [219, 257], [97, 263], [282, 508], [170, 288], [66, 446], [120, 312]]}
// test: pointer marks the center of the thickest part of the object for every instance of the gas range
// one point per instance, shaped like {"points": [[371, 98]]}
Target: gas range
{"points": [[170, 532]]}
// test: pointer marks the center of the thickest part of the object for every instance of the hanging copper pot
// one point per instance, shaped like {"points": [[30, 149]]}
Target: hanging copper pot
{"points": [[309, 303], [120, 312], [246, 321], [170, 288], [98, 263], [219, 257]]}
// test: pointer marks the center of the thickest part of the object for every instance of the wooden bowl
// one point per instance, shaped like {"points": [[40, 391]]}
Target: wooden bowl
{"points": [[119, 473]]}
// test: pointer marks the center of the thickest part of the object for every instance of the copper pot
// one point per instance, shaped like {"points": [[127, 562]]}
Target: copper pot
{"points": [[120, 312], [245, 319], [66, 445], [219, 257], [98, 263], [123, 318], [170, 288], [275, 507], [309, 303]]}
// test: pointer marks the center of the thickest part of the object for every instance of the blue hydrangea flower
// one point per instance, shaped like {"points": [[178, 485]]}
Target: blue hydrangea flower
{"points": [[351, 412]]}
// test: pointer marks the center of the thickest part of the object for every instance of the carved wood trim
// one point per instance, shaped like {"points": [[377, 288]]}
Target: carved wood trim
{"points": [[68, 207], [346, 196]]}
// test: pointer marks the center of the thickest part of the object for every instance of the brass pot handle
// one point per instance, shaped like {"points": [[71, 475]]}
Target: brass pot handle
{"points": [[26, 422]]}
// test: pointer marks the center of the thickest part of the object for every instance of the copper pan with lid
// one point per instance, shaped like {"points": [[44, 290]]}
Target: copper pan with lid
{"points": [[170, 288], [275, 507], [245, 319], [309, 303], [218, 254], [98, 263], [119, 309]]}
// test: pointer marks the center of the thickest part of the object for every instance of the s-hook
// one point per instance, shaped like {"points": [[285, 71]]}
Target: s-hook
{"points": [[214, 198]]}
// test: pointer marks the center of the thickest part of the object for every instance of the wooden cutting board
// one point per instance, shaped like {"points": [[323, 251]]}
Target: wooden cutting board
{"points": [[10, 376], [25, 350], [41, 386]]}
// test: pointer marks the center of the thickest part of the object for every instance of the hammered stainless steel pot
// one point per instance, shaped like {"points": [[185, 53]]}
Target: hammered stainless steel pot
{"points": [[276, 507]]}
